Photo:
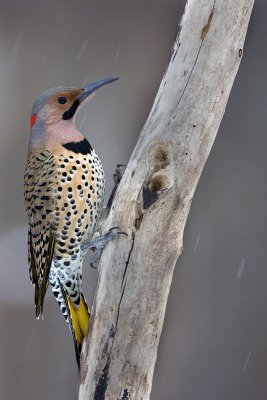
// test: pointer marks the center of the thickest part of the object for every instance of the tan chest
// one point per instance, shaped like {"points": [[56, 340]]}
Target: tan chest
{"points": [[79, 190]]}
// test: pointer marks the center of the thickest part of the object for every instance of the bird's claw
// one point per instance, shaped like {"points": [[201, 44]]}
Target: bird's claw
{"points": [[97, 245]]}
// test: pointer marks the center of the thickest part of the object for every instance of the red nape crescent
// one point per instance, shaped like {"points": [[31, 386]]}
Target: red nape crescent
{"points": [[33, 119]]}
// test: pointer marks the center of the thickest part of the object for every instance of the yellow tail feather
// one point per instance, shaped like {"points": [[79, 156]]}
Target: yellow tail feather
{"points": [[80, 319], [78, 322]]}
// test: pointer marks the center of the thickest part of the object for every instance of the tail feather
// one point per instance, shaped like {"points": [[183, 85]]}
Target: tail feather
{"points": [[78, 319]]}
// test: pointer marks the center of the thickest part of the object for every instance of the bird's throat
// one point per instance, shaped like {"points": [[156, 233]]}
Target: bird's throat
{"points": [[62, 132]]}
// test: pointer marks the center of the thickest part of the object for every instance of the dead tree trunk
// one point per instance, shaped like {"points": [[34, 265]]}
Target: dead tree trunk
{"points": [[154, 198]]}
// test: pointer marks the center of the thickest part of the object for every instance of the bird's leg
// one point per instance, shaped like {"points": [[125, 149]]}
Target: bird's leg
{"points": [[98, 243], [116, 178]]}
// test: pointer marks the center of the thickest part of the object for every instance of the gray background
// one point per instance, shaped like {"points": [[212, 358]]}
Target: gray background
{"points": [[214, 341]]}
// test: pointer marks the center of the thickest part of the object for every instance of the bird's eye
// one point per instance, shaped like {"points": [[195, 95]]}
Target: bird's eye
{"points": [[62, 100]]}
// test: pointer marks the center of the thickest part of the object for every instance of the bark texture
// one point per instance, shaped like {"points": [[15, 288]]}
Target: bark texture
{"points": [[154, 198]]}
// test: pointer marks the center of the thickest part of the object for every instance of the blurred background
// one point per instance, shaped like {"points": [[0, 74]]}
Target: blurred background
{"points": [[214, 341]]}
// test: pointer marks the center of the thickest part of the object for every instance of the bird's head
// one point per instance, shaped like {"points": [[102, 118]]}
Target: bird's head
{"points": [[53, 114]]}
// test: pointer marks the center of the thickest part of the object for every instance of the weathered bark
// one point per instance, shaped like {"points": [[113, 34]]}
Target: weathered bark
{"points": [[154, 198]]}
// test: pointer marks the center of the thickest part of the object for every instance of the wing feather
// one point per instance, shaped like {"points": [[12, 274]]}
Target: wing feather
{"points": [[40, 201]]}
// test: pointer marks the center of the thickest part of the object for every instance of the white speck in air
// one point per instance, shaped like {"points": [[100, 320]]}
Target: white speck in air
{"points": [[31, 336], [17, 43], [196, 244], [117, 53], [246, 361], [86, 81], [82, 122], [241, 268], [81, 51]]}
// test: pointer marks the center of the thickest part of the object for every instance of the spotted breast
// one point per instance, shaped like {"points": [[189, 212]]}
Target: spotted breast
{"points": [[79, 189]]}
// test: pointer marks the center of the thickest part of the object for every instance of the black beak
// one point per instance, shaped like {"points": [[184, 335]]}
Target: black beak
{"points": [[93, 87]]}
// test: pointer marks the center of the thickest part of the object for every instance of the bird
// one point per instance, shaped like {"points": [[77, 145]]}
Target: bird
{"points": [[64, 187]]}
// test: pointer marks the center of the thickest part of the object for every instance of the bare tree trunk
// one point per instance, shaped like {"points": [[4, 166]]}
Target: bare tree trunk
{"points": [[154, 198]]}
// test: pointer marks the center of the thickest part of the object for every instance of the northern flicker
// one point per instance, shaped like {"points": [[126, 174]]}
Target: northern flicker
{"points": [[64, 192]]}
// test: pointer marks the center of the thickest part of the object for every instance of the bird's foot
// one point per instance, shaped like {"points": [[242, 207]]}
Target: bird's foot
{"points": [[116, 178], [98, 243]]}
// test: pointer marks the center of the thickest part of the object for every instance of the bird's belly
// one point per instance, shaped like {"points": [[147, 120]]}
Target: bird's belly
{"points": [[80, 192]]}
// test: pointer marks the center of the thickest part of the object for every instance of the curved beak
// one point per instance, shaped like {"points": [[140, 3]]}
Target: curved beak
{"points": [[93, 87]]}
